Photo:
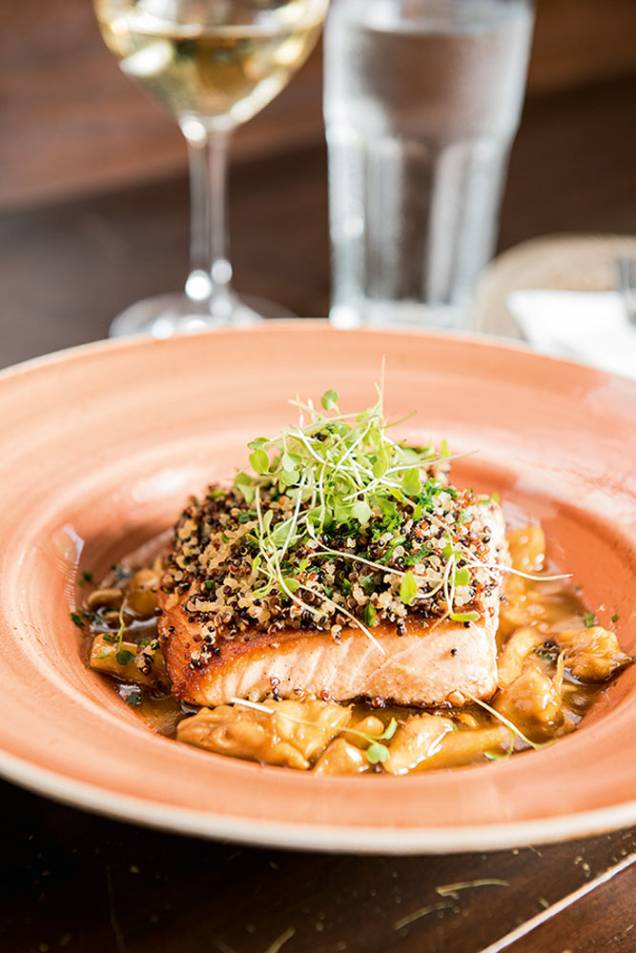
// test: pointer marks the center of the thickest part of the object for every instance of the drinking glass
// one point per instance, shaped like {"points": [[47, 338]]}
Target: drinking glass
{"points": [[214, 64], [422, 101]]}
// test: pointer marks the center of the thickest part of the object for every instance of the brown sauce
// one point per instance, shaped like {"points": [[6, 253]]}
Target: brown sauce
{"points": [[554, 662]]}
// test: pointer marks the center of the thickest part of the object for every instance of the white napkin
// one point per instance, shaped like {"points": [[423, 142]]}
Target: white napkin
{"points": [[586, 326]]}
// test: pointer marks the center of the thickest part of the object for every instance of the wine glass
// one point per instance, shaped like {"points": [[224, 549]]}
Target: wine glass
{"points": [[215, 64]]}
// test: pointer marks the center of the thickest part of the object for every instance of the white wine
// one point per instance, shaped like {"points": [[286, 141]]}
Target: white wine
{"points": [[219, 71]]}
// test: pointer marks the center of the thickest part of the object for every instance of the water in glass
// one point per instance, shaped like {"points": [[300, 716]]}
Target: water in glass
{"points": [[422, 101]]}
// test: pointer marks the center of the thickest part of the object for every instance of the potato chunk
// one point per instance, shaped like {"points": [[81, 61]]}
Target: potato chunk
{"points": [[416, 740], [592, 654], [341, 758], [293, 736]]}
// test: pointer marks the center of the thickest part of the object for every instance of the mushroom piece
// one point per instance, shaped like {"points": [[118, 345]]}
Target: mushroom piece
{"points": [[464, 747], [416, 740], [141, 592], [142, 664], [592, 654], [532, 702], [110, 597], [515, 652]]}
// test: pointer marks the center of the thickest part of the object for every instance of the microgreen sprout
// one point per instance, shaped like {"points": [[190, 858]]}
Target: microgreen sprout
{"points": [[336, 524], [119, 637], [339, 470]]}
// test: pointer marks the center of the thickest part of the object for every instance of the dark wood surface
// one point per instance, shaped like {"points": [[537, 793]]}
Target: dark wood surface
{"points": [[71, 122], [89, 885]]}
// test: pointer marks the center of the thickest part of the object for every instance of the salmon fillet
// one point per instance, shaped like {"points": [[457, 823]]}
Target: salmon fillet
{"points": [[420, 663]]}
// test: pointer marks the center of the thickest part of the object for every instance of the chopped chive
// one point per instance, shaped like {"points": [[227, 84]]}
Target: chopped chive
{"points": [[369, 614], [131, 694]]}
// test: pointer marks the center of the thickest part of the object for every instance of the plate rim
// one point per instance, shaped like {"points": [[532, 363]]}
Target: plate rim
{"points": [[293, 835], [491, 341], [343, 839]]}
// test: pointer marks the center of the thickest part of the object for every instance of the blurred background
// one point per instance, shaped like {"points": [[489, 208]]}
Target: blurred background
{"points": [[93, 185]]}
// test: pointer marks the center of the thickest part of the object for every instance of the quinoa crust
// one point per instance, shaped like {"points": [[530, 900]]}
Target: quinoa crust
{"points": [[211, 580]]}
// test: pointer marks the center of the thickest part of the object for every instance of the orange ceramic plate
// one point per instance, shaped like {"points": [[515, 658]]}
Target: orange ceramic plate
{"points": [[100, 445]]}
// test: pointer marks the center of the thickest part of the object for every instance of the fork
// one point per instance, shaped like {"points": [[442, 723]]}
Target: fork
{"points": [[626, 285]]}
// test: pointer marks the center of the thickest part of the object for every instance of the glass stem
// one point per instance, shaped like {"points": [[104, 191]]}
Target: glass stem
{"points": [[211, 273]]}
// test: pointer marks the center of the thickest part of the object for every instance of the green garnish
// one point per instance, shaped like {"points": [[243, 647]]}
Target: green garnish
{"points": [[259, 461], [343, 473], [329, 400], [411, 483], [131, 694], [369, 614], [408, 589], [123, 656], [464, 616], [615, 617], [462, 576], [335, 523], [368, 585], [589, 620], [377, 753], [361, 511], [77, 619]]}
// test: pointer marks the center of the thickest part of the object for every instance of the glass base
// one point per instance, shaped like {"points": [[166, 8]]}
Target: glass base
{"points": [[408, 315], [167, 315]]}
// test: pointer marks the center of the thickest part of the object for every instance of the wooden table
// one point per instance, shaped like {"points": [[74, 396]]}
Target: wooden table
{"points": [[89, 885]]}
